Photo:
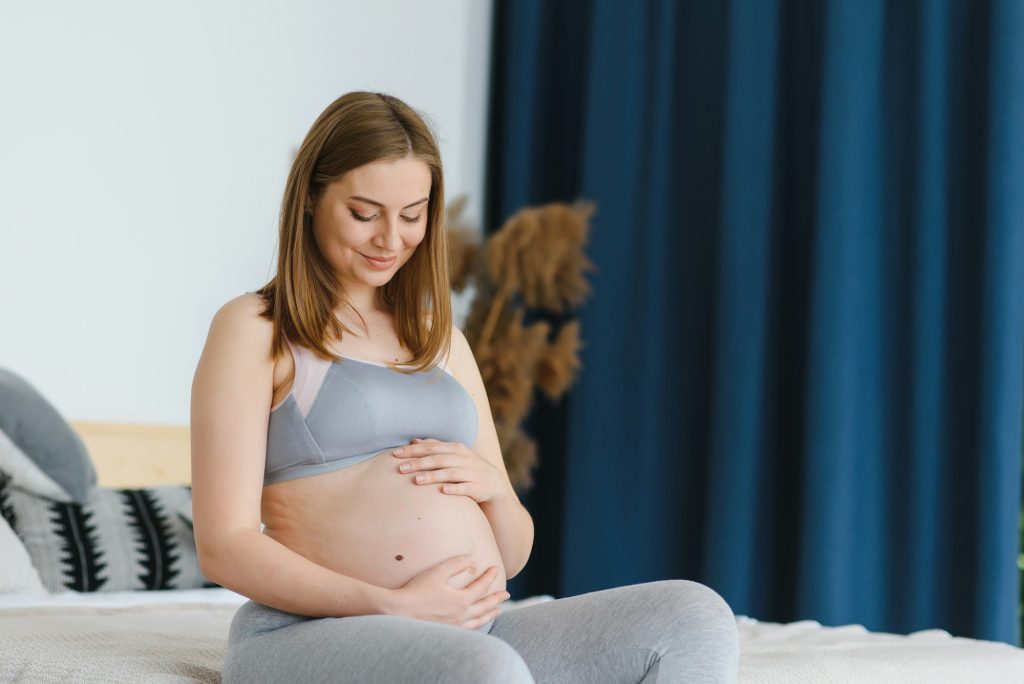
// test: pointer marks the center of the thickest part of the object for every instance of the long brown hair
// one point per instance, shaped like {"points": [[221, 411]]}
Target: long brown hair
{"points": [[356, 129]]}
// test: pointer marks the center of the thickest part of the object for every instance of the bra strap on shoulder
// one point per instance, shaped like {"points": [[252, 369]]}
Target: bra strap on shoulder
{"points": [[310, 371]]}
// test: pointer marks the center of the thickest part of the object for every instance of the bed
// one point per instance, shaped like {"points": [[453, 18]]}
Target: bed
{"points": [[180, 635]]}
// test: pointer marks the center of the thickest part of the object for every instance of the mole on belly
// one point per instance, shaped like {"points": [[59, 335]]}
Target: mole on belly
{"points": [[399, 557]]}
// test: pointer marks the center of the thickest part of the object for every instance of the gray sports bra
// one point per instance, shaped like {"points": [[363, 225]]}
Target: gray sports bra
{"points": [[339, 413]]}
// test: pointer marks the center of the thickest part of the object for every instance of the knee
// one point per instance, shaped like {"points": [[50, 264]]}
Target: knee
{"points": [[703, 609], [491, 661], [705, 617], [696, 597]]}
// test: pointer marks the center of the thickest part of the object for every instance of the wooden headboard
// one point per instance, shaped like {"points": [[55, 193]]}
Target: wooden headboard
{"points": [[131, 455]]}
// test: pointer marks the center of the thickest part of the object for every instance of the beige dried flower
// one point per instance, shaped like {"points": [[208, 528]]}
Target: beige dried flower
{"points": [[558, 365], [535, 261], [463, 248], [538, 252], [463, 244], [508, 369]]}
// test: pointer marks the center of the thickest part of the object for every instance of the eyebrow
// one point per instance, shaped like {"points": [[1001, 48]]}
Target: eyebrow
{"points": [[375, 202]]}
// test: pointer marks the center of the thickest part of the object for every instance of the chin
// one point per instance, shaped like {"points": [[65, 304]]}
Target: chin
{"points": [[380, 278]]}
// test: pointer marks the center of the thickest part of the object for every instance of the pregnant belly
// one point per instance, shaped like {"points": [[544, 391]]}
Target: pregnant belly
{"points": [[373, 523]]}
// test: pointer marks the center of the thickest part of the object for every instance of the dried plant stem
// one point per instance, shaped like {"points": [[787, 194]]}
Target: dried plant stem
{"points": [[497, 304]]}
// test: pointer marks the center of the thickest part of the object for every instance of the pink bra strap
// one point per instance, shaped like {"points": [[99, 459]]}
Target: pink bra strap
{"points": [[310, 371]]}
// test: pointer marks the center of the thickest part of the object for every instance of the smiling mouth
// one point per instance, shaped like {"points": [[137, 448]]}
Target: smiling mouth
{"points": [[377, 261]]}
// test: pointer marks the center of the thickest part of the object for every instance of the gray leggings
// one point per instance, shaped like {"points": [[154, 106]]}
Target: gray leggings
{"points": [[669, 631]]}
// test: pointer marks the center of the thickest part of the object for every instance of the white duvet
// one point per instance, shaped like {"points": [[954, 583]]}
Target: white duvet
{"points": [[806, 652], [180, 636]]}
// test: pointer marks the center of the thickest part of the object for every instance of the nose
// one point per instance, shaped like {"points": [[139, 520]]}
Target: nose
{"points": [[390, 237]]}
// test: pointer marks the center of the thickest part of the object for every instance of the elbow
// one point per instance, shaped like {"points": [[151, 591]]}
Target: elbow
{"points": [[526, 546], [214, 554], [219, 552], [512, 571], [208, 565]]}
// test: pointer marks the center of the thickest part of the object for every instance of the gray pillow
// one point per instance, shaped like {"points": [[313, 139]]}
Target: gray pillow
{"points": [[119, 540], [34, 425]]}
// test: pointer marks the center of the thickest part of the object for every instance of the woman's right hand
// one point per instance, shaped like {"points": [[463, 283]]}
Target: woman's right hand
{"points": [[431, 596]]}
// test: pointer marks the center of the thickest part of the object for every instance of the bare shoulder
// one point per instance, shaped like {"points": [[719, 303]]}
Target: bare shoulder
{"points": [[245, 310], [461, 361], [240, 323], [236, 363], [460, 342]]}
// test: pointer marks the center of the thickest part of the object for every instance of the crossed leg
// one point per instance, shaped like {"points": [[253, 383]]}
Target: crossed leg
{"points": [[665, 632], [669, 631]]}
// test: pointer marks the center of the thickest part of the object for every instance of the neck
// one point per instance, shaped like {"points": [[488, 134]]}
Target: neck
{"points": [[363, 301], [368, 310]]}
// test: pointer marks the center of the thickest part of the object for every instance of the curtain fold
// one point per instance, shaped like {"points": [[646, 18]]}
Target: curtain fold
{"points": [[804, 355]]}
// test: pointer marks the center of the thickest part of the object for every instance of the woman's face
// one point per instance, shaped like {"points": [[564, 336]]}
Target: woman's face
{"points": [[369, 222]]}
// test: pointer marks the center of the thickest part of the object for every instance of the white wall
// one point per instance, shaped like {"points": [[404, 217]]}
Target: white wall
{"points": [[143, 151]]}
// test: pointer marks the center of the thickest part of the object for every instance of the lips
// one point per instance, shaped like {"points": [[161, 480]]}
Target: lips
{"points": [[379, 263]]}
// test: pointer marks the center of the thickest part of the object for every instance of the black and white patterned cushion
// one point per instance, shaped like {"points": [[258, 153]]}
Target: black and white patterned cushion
{"points": [[41, 434], [119, 539]]}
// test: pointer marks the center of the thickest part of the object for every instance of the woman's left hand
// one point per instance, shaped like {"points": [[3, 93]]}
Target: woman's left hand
{"points": [[459, 469]]}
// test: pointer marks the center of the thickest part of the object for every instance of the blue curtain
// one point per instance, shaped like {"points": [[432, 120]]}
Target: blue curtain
{"points": [[804, 356]]}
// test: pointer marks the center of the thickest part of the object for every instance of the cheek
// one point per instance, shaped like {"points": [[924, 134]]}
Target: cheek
{"points": [[417, 236], [348, 231], [322, 240], [414, 245], [335, 246], [344, 234]]}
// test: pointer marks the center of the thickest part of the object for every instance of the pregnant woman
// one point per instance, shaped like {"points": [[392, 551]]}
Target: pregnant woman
{"points": [[347, 476]]}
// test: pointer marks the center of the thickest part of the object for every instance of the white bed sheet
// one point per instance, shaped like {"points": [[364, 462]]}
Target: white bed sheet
{"points": [[180, 636], [806, 651], [121, 599], [115, 638]]}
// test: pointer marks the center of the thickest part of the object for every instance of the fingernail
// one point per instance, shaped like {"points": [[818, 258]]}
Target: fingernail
{"points": [[404, 467], [421, 478]]}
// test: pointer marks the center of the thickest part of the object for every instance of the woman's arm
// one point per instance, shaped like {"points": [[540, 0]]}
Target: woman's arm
{"points": [[509, 519], [231, 398]]}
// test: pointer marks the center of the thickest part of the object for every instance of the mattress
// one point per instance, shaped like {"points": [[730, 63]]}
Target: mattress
{"points": [[181, 636], [806, 651], [145, 636]]}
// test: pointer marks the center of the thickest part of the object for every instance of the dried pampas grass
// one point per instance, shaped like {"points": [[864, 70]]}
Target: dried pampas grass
{"points": [[535, 262], [557, 368], [539, 251], [510, 367], [463, 244]]}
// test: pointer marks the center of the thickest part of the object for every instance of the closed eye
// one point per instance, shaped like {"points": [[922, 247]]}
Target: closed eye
{"points": [[359, 217]]}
